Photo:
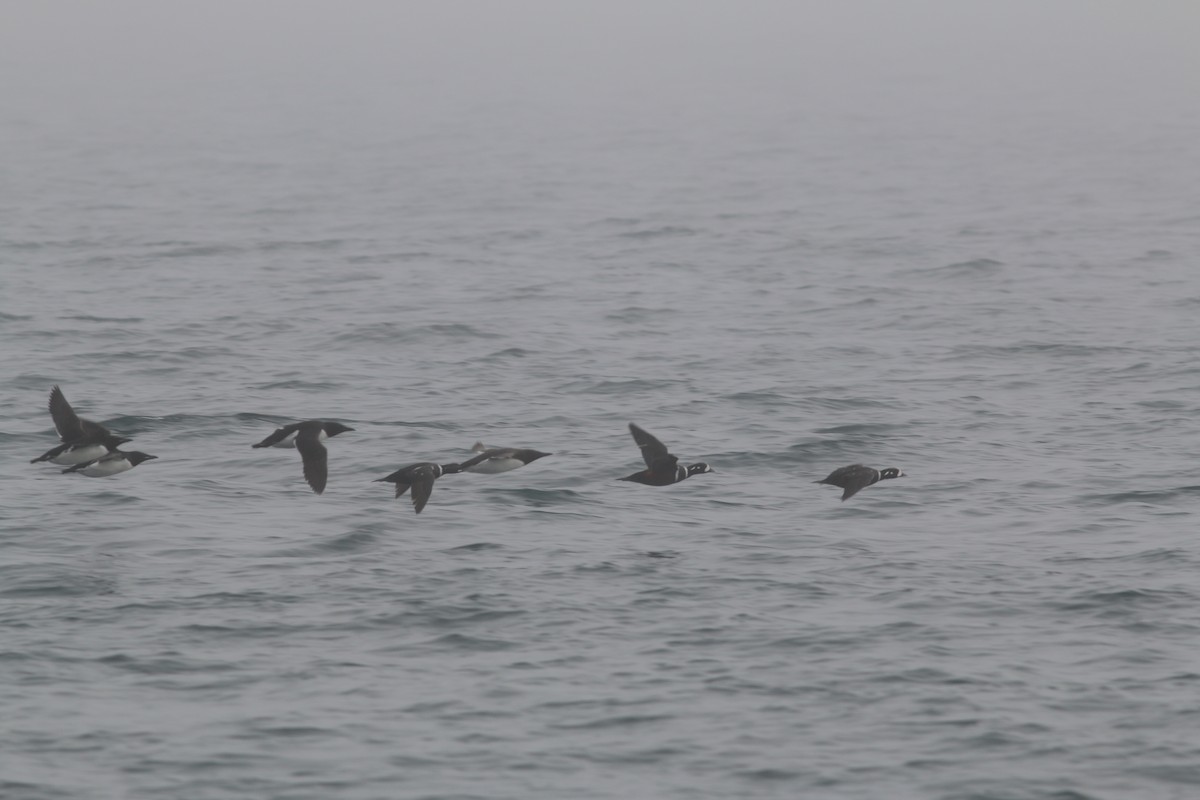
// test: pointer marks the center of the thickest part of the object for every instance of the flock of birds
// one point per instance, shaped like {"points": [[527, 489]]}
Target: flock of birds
{"points": [[90, 449]]}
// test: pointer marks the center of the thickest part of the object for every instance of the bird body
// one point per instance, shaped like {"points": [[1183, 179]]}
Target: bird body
{"points": [[307, 437], [80, 452], [111, 464], [662, 468], [500, 459], [419, 477], [857, 477]]}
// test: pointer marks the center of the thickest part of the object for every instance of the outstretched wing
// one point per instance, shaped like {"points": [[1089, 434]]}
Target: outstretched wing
{"points": [[315, 456], [113, 456], [71, 428], [278, 436], [51, 454], [66, 421], [422, 487], [654, 452]]}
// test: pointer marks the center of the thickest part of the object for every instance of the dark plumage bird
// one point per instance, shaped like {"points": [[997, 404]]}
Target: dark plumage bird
{"points": [[856, 477], [82, 439], [662, 468], [499, 459], [307, 437], [111, 464], [419, 477]]}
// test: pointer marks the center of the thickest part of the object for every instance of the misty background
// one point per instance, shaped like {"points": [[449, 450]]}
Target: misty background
{"points": [[960, 238]]}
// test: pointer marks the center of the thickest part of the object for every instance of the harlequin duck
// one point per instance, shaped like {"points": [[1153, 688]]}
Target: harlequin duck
{"points": [[662, 468], [857, 477]]}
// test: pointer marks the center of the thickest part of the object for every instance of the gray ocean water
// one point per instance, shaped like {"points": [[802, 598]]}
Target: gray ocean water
{"points": [[1005, 305]]}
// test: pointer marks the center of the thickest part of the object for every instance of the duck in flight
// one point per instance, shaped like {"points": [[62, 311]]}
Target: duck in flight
{"points": [[419, 477], [857, 477], [662, 468], [307, 437]]}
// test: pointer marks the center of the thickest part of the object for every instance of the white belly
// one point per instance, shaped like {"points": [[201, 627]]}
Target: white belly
{"points": [[79, 455], [490, 466], [102, 469]]}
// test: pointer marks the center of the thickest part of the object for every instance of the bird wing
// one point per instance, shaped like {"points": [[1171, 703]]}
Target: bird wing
{"points": [[70, 428], [316, 458], [115, 454], [654, 452], [422, 487], [840, 475], [853, 479], [278, 436], [52, 453]]}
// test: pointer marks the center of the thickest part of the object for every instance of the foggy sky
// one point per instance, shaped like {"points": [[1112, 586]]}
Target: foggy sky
{"points": [[1085, 54]]}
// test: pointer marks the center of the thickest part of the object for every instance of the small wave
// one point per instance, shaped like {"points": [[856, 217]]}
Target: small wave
{"points": [[1121, 601], [619, 721], [310, 386], [184, 356], [291, 731], [362, 538], [198, 251], [838, 403], [972, 268], [115, 498], [768, 774], [924, 675], [14, 317], [618, 387], [1163, 405], [656, 233], [393, 333], [872, 428], [392, 258], [1171, 773], [34, 581], [93, 318], [1155, 255], [475, 547], [1157, 555], [161, 665], [623, 222], [1053, 349], [639, 314], [501, 355], [133, 425], [537, 498], [315, 244], [1147, 496], [762, 397], [459, 641]]}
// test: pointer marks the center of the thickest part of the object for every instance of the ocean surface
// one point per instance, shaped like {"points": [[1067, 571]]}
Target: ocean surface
{"points": [[1005, 303]]}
